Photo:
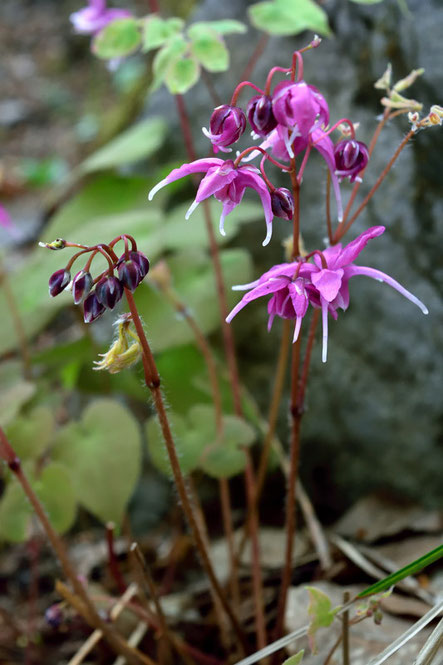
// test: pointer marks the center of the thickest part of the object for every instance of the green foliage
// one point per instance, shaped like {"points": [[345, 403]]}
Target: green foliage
{"points": [[295, 659], [158, 31], [367, 2], [102, 453], [118, 39], [222, 27], [136, 143], [320, 612], [193, 278], [30, 434], [209, 48], [199, 446], [182, 75], [410, 569], [54, 489], [289, 17], [167, 57], [14, 389]]}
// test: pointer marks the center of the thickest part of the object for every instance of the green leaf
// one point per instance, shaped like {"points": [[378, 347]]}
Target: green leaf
{"points": [[15, 513], [367, 2], [222, 27], [118, 39], [188, 443], [136, 143], [54, 489], [182, 75], [30, 435], [208, 47], [221, 457], [166, 57], [289, 17], [321, 614], [193, 279], [157, 31], [295, 659], [410, 569], [14, 390], [102, 454]]}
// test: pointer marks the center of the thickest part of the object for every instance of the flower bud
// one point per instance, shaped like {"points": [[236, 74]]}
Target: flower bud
{"points": [[81, 285], [142, 262], [54, 615], [282, 203], [226, 125], [92, 308], [59, 281], [109, 291], [351, 157], [260, 115], [129, 274]]}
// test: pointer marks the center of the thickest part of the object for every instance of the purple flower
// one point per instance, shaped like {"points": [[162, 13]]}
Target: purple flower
{"points": [[109, 291], [324, 284], [227, 183], [226, 125], [92, 19], [58, 282], [260, 115], [81, 285], [351, 157], [92, 308], [299, 107]]}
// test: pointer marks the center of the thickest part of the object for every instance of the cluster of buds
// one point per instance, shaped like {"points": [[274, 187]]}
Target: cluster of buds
{"points": [[106, 289], [291, 119]]}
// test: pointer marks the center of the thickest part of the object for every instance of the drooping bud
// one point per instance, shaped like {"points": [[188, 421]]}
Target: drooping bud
{"points": [[282, 203], [54, 615], [58, 243], [300, 107], [81, 285], [226, 125], [351, 157], [129, 274], [109, 291], [142, 262], [260, 115], [59, 281], [92, 308]]}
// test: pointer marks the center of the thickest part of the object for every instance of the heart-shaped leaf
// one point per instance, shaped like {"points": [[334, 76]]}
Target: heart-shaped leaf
{"points": [[31, 434], [289, 17], [157, 31], [222, 27], [118, 39], [182, 75], [208, 47], [102, 453]]}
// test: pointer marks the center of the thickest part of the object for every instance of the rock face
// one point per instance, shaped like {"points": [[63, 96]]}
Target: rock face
{"points": [[374, 417]]}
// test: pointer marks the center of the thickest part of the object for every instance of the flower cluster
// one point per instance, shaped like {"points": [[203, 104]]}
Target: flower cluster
{"points": [[96, 16], [292, 119], [104, 291], [322, 284]]}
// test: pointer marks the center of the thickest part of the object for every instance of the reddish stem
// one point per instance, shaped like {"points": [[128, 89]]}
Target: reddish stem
{"points": [[112, 559], [273, 71], [266, 155], [239, 88], [258, 51]]}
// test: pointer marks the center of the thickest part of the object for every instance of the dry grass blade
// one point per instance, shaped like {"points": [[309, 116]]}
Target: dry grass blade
{"points": [[134, 639], [97, 635], [408, 635], [432, 645]]}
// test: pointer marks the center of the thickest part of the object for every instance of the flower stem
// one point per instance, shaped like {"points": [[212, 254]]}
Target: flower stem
{"points": [[328, 207], [296, 222], [153, 383], [115, 641], [258, 51]]}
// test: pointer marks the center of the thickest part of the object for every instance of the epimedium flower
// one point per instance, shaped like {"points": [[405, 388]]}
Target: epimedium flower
{"points": [[351, 157], [226, 125], [96, 16], [227, 182], [323, 284], [299, 107], [261, 115]]}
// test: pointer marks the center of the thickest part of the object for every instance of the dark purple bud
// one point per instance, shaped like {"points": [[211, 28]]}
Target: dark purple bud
{"points": [[129, 274], [226, 126], [109, 291], [59, 281], [142, 262], [282, 203], [351, 157], [260, 115], [54, 615], [92, 308], [81, 285]]}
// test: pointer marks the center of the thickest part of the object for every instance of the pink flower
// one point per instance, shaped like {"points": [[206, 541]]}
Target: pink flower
{"points": [[227, 183], [92, 19], [323, 284], [351, 157], [226, 125], [299, 107]]}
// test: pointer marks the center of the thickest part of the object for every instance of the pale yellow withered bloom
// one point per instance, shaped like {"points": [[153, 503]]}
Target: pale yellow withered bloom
{"points": [[124, 352]]}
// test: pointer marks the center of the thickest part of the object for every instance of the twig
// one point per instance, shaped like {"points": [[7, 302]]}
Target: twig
{"points": [[432, 645], [112, 558]]}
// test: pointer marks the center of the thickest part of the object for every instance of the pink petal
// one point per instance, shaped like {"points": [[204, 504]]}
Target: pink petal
{"points": [[328, 283], [199, 166], [353, 249], [382, 277]]}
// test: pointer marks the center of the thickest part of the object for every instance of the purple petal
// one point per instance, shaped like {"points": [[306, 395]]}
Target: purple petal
{"points": [[216, 178], [199, 166], [250, 179], [258, 292], [382, 277], [298, 321], [325, 147], [324, 318], [353, 249], [328, 283]]}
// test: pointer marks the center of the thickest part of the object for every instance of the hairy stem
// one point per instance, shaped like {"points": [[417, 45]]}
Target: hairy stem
{"points": [[153, 383]]}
